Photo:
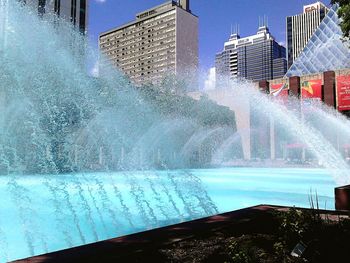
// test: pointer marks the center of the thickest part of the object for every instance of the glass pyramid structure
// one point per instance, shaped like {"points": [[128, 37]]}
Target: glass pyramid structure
{"points": [[326, 50]]}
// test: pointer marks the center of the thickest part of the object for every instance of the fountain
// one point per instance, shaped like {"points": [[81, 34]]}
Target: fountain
{"points": [[84, 159]]}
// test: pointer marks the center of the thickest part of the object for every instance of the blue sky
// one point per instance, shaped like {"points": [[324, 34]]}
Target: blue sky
{"points": [[215, 19]]}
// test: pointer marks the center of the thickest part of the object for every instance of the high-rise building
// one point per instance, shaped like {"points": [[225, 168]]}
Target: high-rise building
{"points": [[256, 57], [161, 41], [225, 63], [301, 27], [75, 11]]}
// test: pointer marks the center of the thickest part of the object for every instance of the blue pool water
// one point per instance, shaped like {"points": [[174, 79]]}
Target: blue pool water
{"points": [[47, 213]]}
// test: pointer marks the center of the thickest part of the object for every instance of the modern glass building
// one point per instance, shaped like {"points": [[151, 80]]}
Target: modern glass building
{"points": [[256, 57], [226, 61], [326, 49]]}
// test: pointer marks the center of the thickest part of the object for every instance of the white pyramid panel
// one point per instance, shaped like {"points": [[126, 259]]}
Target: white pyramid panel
{"points": [[326, 50]]}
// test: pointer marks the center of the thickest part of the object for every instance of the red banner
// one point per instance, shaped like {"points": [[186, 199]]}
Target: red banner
{"points": [[279, 90], [311, 89], [343, 91]]}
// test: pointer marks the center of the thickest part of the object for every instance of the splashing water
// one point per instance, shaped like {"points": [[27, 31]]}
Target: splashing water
{"points": [[84, 151], [316, 131], [59, 126]]}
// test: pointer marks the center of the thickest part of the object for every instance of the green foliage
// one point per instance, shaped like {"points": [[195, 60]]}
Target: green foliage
{"points": [[209, 113], [237, 254], [178, 105], [324, 240], [293, 225], [344, 14], [298, 225], [279, 249], [248, 249]]}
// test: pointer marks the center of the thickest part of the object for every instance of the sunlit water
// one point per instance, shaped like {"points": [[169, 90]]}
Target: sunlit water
{"points": [[122, 207]]}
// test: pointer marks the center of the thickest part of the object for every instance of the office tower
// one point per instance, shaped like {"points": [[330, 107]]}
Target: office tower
{"points": [[256, 57], [226, 64], [75, 11], [301, 27], [326, 49], [162, 41]]}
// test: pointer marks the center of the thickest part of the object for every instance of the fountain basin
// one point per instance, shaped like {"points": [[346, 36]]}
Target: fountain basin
{"points": [[41, 214], [155, 245]]}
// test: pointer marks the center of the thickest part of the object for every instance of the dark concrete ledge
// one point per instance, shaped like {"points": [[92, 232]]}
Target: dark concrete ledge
{"points": [[143, 247]]}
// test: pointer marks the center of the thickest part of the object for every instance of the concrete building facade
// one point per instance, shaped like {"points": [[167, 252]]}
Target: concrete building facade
{"points": [[301, 27], [161, 41], [254, 57]]}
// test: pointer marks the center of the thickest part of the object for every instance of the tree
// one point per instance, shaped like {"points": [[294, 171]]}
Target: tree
{"points": [[344, 14]]}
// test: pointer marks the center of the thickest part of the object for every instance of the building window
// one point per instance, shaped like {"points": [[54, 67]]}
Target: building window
{"points": [[73, 12], [82, 16], [57, 7], [41, 7]]}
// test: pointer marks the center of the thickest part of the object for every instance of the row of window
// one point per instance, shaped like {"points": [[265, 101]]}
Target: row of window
{"points": [[164, 37], [162, 50], [123, 41], [147, 74], [149, 64], [141, 57], [153, 46], [152, 69], [138, 28]]}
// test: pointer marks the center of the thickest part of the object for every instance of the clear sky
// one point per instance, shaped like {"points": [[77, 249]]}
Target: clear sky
{"points": [[215, 19]]}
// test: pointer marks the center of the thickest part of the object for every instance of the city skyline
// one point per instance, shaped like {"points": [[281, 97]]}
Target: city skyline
{"points": [[104, 15]]}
